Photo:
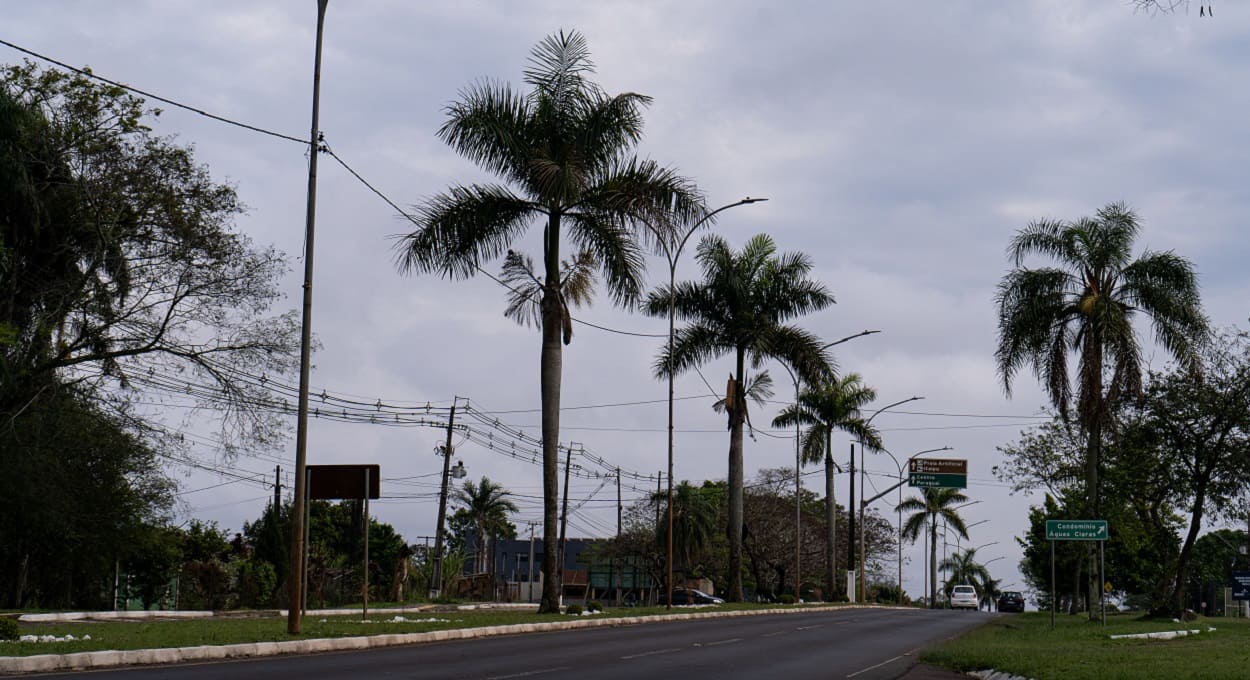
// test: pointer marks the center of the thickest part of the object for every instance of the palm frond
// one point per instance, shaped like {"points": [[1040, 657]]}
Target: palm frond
{"points": [[460, 229], [524, 289]]}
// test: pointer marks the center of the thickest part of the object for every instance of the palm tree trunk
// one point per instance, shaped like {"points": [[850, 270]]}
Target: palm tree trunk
{"points": [[933, 562], [737, 415], [550, 369], [831, 521]]}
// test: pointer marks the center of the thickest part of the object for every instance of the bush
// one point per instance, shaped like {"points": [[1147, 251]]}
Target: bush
{"points": [[594, 606], [573, 610], [9, 629], [786, 598]]}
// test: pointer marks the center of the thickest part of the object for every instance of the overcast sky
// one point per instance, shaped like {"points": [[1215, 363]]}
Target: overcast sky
{"points": [[901, 145]]}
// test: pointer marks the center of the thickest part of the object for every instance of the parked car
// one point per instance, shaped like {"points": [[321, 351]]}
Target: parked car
{"points": [[691, 596], [964, 597], [1011, 601]]}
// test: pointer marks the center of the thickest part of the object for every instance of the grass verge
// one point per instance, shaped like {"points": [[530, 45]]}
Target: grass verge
{"points": [[1025, 645], [150, 634]]}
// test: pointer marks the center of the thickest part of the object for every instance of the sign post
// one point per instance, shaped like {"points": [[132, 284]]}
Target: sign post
{"points": [[1076, 530], [348, 482]]}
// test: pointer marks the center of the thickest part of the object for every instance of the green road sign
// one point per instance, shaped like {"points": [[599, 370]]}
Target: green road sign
{"points": [[938, 480], [1076, 529]]}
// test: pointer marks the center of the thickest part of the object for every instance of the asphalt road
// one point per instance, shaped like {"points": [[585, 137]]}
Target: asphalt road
{"points": [[866, 644]]}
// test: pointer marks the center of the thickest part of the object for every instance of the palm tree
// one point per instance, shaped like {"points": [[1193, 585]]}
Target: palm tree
{"points": [[487, 504], [1086, 306], [933, 504], [564, 151], [824, 408], [740, 308], [694, 519], [963, 569]]}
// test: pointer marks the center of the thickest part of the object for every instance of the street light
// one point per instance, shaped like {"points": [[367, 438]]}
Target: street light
{"points": [[850, 562], [672, 241], [899, 509], [798, 479]]}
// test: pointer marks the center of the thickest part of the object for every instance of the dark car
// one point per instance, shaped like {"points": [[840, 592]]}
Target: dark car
{"points": [[1011, 601], [691, 596]]}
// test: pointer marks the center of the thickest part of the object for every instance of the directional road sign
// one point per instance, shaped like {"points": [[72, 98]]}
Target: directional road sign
{"points": [[949, 473], [1076, 529]]}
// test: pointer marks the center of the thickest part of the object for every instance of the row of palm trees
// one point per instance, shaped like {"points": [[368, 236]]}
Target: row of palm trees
{"points": [[565, 152]]}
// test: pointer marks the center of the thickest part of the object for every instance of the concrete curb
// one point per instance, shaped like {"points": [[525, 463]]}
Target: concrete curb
{"points": [[44, 663], [113, 616]]}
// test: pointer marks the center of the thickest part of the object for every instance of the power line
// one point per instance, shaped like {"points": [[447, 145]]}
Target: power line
{"points": [[87, 73]]}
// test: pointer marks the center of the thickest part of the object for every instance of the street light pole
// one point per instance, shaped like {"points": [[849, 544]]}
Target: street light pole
{"points": [[672, 243], [898, 508], [851, 542]]}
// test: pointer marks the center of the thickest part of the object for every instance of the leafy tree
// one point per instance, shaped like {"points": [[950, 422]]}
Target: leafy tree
{"points": [[205, 579], [933, 504], [1197, 425], [741, 308], [121, 265], [155, 552], [77, 485], [566, 147], [835, 405], [1215, 555]]}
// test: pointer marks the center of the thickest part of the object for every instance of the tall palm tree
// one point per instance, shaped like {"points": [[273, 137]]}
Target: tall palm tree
{"points": [[830, 406], [740, 308], [1085, 305], [487, 504], [932, 505], [565, 152]]}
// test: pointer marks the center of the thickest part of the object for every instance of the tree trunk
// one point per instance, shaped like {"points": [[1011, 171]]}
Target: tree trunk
{"points": [[1176, 601], [831, 524], [550, 369], [933, 563], [736, 406]]}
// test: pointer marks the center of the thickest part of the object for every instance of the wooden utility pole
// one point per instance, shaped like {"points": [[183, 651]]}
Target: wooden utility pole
{"points": [[298, 545], [277, 490], [564, 518], [436, 574]]}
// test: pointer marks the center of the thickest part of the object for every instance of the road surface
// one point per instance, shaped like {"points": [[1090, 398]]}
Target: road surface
{"points": [[865, 644]]}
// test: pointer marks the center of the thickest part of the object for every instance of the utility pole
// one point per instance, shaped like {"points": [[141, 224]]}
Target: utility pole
{"points": [[620, 568], [564, 517], [295, 595], [436, 574], [277, 490], [850, 535], [529, 592]]}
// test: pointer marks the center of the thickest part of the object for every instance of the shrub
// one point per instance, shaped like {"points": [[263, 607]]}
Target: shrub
{"points": [[9, 629], [786, 598], [573, 610], [594, 606]]}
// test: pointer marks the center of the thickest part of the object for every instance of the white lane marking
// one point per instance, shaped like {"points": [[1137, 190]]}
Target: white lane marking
{"points": [[653, 653], [722, 642], [780, 632], [818, 625], [887, 661], [529, 673]]}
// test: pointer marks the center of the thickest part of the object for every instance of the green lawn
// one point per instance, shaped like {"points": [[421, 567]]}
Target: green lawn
{"points": [[1024, 644], [123, 634]]}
